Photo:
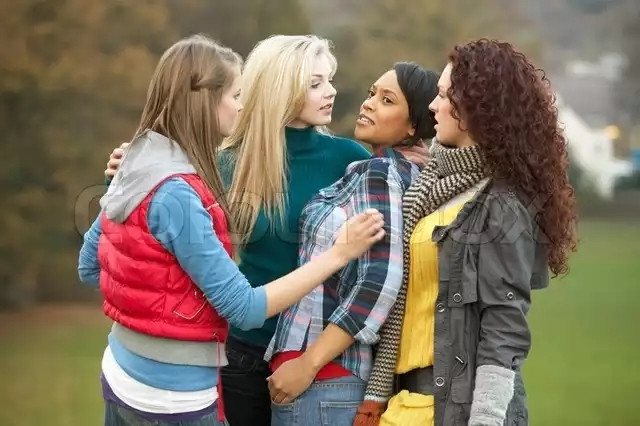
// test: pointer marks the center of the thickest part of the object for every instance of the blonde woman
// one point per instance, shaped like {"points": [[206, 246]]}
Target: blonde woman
{"points": [[161, 254], [275, 160]]}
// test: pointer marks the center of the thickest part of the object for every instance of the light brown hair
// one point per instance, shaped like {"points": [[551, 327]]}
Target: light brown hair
{"points": [[182, 100]]}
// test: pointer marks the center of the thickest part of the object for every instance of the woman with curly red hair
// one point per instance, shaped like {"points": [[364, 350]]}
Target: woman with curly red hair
{"points": [[490, 214]]}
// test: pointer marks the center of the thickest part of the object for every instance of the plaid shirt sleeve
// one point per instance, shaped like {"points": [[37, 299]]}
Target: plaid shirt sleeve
{"points": [[372, 294]]}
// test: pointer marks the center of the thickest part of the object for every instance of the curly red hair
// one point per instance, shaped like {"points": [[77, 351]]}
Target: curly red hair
{"points": [[509, 110]]}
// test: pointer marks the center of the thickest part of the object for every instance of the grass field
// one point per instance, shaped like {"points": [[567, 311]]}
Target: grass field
{"points": [[583, 369]]}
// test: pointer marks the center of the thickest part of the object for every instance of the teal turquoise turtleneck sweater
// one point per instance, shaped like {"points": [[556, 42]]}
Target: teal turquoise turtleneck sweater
{"points": [[315, 161]]}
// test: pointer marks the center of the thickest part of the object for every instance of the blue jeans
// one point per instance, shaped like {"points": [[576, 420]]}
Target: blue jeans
{"points": [[331, 402], [117, 415]]}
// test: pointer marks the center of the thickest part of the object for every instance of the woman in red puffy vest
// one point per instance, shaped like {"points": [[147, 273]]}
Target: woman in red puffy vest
{"points": [[161, 250]]}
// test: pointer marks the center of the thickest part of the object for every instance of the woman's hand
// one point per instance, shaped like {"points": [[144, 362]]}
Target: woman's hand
{"points": [[290, 380], [417, 154], [114, 161], [358, 234]]}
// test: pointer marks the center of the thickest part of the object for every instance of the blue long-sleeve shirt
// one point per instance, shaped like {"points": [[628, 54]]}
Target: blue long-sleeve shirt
{"points": [[178, 220]]}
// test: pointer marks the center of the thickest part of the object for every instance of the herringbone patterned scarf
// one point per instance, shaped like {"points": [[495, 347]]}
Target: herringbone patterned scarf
{"points": [[450, 172]]}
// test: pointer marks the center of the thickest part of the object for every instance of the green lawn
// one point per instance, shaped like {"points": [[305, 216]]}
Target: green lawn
{"points": [[50, 367], [583, 369]]}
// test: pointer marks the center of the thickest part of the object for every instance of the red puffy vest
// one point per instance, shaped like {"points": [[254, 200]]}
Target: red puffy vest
{"points": [[143, 285]]}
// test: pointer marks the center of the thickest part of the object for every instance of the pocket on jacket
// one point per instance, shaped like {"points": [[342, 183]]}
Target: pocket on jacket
{"points": [[459, 407], [464, 285], [191, 305], [461, 389]]}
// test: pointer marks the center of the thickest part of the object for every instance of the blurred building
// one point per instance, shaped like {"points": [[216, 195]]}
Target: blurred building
{"points": [[589, 113]]}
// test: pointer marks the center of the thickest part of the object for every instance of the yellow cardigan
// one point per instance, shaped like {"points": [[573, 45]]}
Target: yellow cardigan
{"points": [[416, 342]]}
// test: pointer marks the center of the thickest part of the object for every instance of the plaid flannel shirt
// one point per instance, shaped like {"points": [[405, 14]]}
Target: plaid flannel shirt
{"points": [[360, 296]]}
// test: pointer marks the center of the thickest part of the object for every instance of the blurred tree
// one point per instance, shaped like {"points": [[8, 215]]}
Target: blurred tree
{"points": [[241, 23], [387, 31], [575, 29], [628, 90], [231, 23], [73, 75], [73, 79], [591, 6], [280, 17]]}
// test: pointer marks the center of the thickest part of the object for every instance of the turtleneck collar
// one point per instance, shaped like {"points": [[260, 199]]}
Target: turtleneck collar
{"points": [[300, 140]]}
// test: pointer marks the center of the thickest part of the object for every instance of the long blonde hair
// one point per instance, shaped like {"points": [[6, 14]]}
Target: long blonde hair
{"points": [[277, 75], [182, 100]]}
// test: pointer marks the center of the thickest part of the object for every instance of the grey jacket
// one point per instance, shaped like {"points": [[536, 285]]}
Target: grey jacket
{"points": [[490, 258]]}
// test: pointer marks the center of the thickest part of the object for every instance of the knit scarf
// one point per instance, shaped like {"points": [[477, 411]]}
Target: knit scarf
{"points": [[450, 172]]}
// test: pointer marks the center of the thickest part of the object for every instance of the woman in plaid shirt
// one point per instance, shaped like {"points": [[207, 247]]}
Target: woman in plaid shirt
{"points": [[321, 353]]}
